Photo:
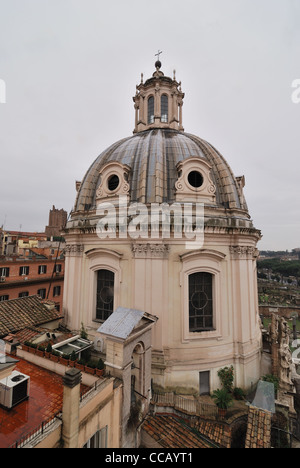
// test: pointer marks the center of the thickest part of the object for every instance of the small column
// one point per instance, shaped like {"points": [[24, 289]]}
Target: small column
{"points": [[136, 116], [157, 112], [71, 400], [180, 116], [142, 109]]}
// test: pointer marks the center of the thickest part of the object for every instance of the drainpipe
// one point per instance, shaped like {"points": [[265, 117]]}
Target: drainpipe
{"points": [[70, 414]]}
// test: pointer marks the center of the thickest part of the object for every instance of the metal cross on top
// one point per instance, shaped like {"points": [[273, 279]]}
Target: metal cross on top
{"points": [[158, 54]]}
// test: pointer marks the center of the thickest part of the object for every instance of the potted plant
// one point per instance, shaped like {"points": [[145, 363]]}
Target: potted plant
{"points": [[100, 368], [226, 376], [40, 351], [64, 359], [48, 350], [26, 345], [223, 399], [73, 359], [80, 364], [54, 356], [83, 332], [32, 348], [90, 367], [239, 393]]}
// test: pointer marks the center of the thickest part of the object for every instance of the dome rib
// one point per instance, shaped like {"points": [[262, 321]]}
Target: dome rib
{"points": [[152, 157]]}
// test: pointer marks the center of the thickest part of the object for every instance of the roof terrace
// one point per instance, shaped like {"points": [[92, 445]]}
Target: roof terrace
{"points": [[44, 403]]}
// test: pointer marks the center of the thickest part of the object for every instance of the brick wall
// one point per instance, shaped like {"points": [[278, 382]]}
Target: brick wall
{"points": [[38, 280]]}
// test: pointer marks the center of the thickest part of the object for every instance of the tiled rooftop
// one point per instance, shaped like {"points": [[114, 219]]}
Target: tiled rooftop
{"points": [[27, 334], [171, 432], [258, 429], [45, 401], [216, 432], [17, 314]]}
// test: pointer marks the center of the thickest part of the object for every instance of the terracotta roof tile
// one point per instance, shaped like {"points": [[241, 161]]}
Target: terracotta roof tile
{"points": [[27, 334], [171, 432], [17, 314], [258, 429], [217, 432]]}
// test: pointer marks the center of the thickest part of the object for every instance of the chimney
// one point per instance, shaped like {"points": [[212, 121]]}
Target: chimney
{"points": [[71, 400]]}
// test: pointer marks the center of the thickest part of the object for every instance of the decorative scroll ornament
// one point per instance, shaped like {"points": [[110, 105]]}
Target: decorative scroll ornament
{"points": [[243, 252], [74, 249], [118, 171], [204, 191], [150, 250]]}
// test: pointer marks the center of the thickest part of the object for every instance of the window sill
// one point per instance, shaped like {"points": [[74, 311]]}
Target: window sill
{"points": [[203, 335]]}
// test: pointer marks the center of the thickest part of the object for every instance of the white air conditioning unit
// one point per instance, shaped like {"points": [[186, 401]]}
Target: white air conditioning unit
{"points": [[2, 279], [14, 389]]}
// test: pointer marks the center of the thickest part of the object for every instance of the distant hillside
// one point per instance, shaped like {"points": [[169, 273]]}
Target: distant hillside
{"points": [[278, 274], [286, 268]]}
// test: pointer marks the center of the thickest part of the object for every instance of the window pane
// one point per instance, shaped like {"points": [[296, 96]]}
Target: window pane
{"points": [[42, 293], [200, 302], [103, 438], [4, 298], [151, 110], [56, 291], [105, 294], [24, 294], [24, 270], [164, 108], [4, 272], [99, 440]]}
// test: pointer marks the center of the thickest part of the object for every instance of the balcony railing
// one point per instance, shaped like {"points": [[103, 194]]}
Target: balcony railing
{"points": [[190, 406]]}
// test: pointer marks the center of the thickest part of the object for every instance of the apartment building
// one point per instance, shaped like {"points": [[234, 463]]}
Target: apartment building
{"points": [[21, 277]]}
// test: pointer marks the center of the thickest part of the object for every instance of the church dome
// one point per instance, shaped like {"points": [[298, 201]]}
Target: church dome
{"points": [[160, 225], [161, 163], [153, 157]]}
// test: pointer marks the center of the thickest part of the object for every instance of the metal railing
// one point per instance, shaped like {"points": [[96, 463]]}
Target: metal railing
{"points": [[186, 405], [91, 391], [36, 432]]}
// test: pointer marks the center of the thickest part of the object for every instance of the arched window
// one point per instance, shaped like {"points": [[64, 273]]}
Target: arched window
{"points": [[151, 110], [105, 294], [164, 109], [200, 302]]}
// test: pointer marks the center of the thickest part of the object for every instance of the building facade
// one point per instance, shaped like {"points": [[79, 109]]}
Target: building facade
{"points": [[11, 242], [20, 277], [160, 224]]}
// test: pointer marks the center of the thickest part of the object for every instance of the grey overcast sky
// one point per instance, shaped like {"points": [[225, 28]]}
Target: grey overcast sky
{"points": [[71, 68]]}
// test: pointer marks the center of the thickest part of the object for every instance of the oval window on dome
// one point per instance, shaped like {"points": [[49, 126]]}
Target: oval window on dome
{"points": [[195, 179], [113, 182]]}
